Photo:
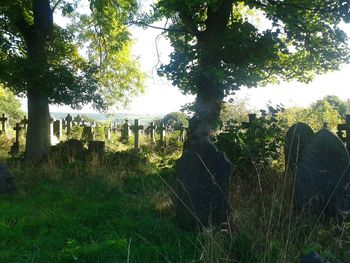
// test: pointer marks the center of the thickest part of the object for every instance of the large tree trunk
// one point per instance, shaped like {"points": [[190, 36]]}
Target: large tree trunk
{"points": [[38, 133], [38, 38]]}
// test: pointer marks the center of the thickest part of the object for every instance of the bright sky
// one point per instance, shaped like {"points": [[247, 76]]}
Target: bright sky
{"points": [[161, 97]]}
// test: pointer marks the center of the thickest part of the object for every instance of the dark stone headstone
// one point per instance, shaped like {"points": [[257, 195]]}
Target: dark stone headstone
{"points": [[7, 184], [297, 138], [203, 173], [323, 176], [313, 258]]}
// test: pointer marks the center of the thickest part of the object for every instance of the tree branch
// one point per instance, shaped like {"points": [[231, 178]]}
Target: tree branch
{"points": [[55, 6], [162, 28]]}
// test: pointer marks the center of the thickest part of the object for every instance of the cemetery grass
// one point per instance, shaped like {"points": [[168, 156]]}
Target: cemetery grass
{"points": [[120, 209]]}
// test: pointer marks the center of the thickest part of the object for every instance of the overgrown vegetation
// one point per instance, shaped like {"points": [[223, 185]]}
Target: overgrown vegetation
{"points": [[79, 207]]}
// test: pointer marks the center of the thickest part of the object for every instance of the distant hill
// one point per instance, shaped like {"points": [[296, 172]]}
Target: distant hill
{"points": [[118, 117]]}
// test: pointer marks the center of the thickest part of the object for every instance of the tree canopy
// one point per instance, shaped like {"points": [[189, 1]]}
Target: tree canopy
{"points": [[89, 60], [253, 41]]}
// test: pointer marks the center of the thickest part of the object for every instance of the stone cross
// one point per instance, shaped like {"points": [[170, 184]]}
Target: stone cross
{"points": [[69, 120], [136, 128], [345, 127], [152, 129], [79, 119], [24, 122], [252, 117], [3, 121], [15, 147], [162, 130], [125, 131], [17, 129]]}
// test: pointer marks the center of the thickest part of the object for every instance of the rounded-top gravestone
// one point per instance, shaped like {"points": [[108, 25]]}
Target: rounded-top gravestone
{"points": [[322, 176], [297, 138]]}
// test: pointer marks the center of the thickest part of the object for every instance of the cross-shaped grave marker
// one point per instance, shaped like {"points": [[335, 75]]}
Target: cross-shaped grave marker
{"points": [[162, 130], [136, 128], [3, 120], [152, 129], [251, 117], [345, 127], [15, 147]]}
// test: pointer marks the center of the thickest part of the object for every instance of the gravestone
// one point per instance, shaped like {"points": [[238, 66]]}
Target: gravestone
{"points": [[297, 138], [69, 120], [136, 128], [203, 173], [182, 136], [64, 124], [251, 118], [108, 133], [323, 176], [7, 184], [57, 129], [88, 134], [24, 122], [152, 128], [3, 120], [79, 119], [161, 129], [346, 128], [125, 132], [15, 146]]}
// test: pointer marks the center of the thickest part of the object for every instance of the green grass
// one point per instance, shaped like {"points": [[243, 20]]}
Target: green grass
{"points": [[82, 218]]}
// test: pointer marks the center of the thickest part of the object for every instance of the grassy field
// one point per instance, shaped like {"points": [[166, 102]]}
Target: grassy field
{"points": [[121, 209]]}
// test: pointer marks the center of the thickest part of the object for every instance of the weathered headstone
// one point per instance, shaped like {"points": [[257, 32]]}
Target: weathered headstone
{"points": [[297, 138], [182, 130], [108, 133], [57, 129], [136, 128], [204, 174], [125, 132], [7, 184], [323, 177], [88, 133], [345, 127], [152, 128], [3, 121], [161, 129], [69, 120]]}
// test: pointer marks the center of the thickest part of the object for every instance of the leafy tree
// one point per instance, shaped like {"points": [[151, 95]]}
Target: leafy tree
{"points": [[175, 120], [40, 60], [340, 106], [219, 47], [314, 116], [10, 105], [235, 110]]}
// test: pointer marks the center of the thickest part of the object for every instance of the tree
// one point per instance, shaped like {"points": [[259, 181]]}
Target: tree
{"points": [[40, 60], [337, 104], [10, 105], [219, 48], [176, 120]]}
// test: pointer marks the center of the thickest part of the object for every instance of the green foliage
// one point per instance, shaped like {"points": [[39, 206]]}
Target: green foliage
{"points": [[252, 150], [221, 42], [234, 111], [107, 76], [10, 105], [175, 120], [314, 116], [337, 104]]}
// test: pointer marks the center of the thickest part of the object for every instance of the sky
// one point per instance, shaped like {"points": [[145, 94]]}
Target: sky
{"points": [[160, 97]]}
